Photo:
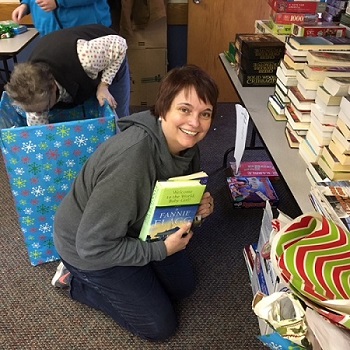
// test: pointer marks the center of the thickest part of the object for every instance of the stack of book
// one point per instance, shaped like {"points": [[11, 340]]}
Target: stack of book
{"points": [[335, 158], [284, 13], [334, 10], [257, 58], [309, 92]]}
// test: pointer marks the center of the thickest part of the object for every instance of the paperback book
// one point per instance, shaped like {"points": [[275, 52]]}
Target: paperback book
{"points": [[324, 58], [173, 204], [251, 192], [337, 86], [329, 43]]}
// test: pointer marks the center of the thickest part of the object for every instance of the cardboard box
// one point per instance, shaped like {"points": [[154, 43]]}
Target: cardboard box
{"points": [[147, 68], [153, 36]]}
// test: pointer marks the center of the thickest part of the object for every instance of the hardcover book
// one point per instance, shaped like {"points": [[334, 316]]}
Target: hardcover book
{"points": [[259, 46], [173, 204], [256, 67], [251, 192], [255, 80]]}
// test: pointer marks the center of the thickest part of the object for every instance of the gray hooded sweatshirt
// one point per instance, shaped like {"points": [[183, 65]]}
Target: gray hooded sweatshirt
{"points": [[98, 222]]}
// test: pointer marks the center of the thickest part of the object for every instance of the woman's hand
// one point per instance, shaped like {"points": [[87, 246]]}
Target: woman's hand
{"points": [[178, 241], [103, 95], [207, 205], [19, 12]]}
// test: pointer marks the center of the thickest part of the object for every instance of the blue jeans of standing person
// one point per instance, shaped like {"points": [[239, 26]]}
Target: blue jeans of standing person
{"points": [[138, 298], [120, 89]]}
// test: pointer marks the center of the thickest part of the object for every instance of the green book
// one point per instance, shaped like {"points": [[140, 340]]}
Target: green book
{"points": [[173, 204]]}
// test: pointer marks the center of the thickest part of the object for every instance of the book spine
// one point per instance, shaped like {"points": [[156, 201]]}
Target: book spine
{"points": [[152, 207], [256, 79], [288, 18], [267, 53], [293, 7], [258, 67]]}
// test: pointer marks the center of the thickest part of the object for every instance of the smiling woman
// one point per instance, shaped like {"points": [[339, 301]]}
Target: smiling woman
{"points": [[97, 236]]}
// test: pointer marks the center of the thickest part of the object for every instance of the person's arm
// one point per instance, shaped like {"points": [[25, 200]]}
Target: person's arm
{"points": [[19, 12], [104, 54], [47, 5], [74, 3], [34, 118]]}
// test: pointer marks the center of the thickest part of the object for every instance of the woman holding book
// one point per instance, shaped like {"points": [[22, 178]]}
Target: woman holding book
{"points": [[97, 226]]}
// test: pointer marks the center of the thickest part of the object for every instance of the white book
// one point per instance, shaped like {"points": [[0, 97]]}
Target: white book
{"points": [[307, 152], [340, 139], [337, 86], [283, 88], [332, 110], [321, 116], [281, 96], [286, 80], [345, 105], [307, 93], [287, 70], [276, 104], [307, 83], [326, 97], [314, 142]]}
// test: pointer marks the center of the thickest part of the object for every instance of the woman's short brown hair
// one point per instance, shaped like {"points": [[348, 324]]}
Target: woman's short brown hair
{"points": [[184, 78]]}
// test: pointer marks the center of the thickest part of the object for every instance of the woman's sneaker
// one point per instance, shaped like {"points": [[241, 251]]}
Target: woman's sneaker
{"points": [[62, 277]]}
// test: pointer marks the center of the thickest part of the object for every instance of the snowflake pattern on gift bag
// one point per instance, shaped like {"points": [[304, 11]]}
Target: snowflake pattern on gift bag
{"points": [[42, 162]]}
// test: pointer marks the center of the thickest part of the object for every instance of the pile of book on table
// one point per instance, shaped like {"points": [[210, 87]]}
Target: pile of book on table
{"points": [[257, 57]]}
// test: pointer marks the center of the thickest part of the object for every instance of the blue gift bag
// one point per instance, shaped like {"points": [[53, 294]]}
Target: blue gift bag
{"points": [[42, 162]]}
